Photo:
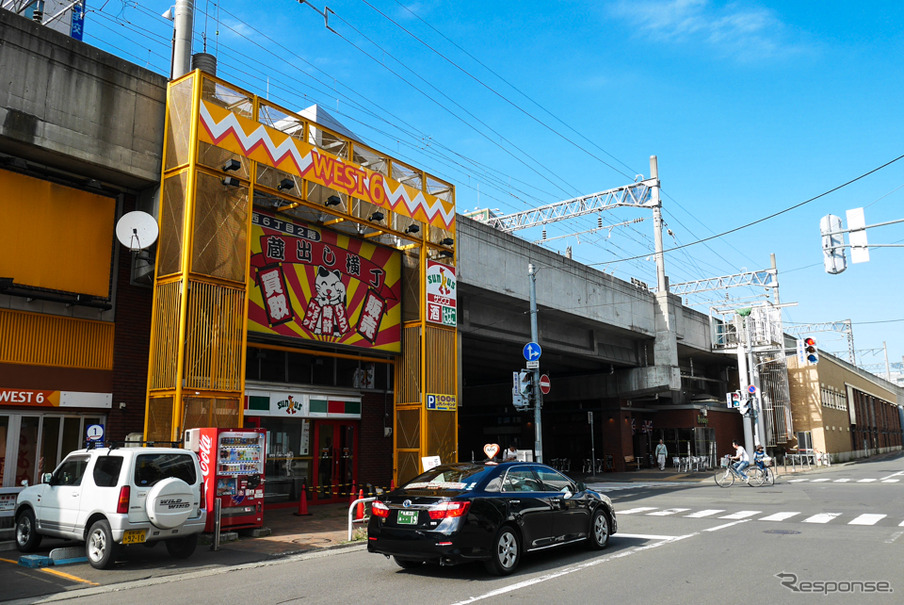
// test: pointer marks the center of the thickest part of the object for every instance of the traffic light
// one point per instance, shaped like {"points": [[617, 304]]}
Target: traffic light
{"points": [[526, 384], [833, 244], [744, 407], [811, 351], [522, 389], [734, 399]]}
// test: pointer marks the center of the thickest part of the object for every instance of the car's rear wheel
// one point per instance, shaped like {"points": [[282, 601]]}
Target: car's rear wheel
{"points": [[99, 546], [599, 530], [27, 537], [506, 552], [182, 548], [407, 563]]}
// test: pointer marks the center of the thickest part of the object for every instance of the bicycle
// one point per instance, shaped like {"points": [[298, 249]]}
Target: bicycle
{"points": [[762, 475], [725, 475]]}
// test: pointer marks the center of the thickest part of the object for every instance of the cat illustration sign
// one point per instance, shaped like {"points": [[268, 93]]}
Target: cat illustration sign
{"points": [[322, 285]]}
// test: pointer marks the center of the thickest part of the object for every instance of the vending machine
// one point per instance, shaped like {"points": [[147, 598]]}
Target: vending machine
{"points": [[232, 463]]}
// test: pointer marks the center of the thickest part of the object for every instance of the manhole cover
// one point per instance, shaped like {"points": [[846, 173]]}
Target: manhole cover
{"points": [[781, 531]]}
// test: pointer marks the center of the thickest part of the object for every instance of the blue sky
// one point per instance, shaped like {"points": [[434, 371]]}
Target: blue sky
{"points": [[751, 107]]}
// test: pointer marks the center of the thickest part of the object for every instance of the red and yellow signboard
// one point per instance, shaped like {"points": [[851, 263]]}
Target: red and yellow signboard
{"points": [[322, 285]]}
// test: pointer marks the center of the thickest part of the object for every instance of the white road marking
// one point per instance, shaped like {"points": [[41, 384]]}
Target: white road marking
{"points": [[705, 513], [894, 537], [901, 524], [668, 511], [823, 480], [841, 480], [644, 536], [778, 516], [797, 480], [865, 480], [889, 480], [741, 514], [632, 511], [571, 570], [718, 527], [893, 475], [867, 519], [821, 518]]}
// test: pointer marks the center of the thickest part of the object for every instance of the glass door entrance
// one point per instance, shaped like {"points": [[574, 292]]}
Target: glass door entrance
{"points": [[336, 470]]}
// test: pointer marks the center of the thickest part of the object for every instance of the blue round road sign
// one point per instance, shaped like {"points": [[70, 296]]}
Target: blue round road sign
{"points": [[532, 351], [751, 389]]}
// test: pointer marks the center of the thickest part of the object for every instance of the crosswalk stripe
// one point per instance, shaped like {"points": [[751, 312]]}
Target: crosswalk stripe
{"points": [[778, 516], [741, 514], [640, 509], [890, 480], [668, 511], [823, 480], [841, 480], [821, 518], [901, 524], [796, 480], [865, 480], [705, 513], [867, 519]]}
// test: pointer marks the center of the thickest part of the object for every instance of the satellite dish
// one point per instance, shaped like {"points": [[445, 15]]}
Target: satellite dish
{"points": [[137, 230]]}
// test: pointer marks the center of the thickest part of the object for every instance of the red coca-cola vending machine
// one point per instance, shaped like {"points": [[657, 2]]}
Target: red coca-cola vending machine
{"points": [[232, 463]]}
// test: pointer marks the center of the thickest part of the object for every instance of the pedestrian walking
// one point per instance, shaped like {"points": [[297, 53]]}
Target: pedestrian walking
{"points": [[661, 453]]}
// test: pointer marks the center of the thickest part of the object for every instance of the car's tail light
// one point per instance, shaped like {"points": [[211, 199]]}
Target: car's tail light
{"points": [[444, 510], [378, 509], [203, 497], [122, 505]]}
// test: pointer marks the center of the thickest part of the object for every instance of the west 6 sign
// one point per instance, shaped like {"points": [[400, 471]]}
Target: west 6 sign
{"points": [[442, 299]]}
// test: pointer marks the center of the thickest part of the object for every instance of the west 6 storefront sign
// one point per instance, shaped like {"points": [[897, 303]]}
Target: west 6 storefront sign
{"points": [[54, 399], [322, 285], [442, 299]]}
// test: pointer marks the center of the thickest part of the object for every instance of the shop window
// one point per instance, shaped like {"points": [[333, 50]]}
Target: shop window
{"points": [[28, 449], [300, 368], [50, 443], [324, 371]]}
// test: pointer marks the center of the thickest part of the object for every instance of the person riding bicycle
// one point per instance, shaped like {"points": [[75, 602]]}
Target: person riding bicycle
{"points": [[743, 460], [759, 457]]}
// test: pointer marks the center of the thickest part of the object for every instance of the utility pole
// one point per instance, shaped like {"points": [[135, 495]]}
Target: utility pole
{"points": [[661, 282], [538, 395]]}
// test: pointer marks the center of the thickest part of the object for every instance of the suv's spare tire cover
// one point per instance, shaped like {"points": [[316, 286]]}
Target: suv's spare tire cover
{"points": [[169, 503]]}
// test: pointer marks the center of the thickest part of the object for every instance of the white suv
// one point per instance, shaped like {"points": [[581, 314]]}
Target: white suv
{"points": [[109, 497]]}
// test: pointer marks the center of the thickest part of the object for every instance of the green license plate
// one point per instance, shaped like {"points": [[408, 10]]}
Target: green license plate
{"points": [[133, 536], [407, 517]]}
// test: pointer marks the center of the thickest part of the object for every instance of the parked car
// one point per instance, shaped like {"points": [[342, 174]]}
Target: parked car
{"points": [[493, 513], [112, 497]]}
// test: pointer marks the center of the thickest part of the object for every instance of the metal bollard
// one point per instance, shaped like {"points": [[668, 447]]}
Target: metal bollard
{"points": [[217, 506]]}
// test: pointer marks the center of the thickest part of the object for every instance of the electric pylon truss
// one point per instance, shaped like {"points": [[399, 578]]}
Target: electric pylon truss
{"points": [[843, 326], [765, 279], [637, 195]]}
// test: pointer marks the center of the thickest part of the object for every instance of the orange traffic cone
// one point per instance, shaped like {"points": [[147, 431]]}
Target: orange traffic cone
{"points": [[359, 514], [303, 502]]}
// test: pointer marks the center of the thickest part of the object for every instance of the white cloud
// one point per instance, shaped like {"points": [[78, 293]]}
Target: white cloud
{"points": [[743, 31]]}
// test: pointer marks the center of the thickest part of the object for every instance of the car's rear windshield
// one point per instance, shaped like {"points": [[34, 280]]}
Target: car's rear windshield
{"points": [[151, 468], [444, 478]]}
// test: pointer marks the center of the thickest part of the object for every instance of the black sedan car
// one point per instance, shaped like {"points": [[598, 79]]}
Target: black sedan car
{"points": [[455, 513]]}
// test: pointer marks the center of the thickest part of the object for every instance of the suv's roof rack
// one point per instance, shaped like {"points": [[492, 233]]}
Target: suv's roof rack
{"points": [[121, 443]]}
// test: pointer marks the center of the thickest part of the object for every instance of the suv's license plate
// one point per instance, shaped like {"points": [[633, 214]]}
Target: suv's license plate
{"points": [[407, 517], [133, 536]]}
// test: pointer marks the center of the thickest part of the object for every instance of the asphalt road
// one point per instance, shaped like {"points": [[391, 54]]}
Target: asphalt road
{"points": [[835, 536]]}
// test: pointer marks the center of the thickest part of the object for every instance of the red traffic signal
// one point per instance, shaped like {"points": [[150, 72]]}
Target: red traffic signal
{"points": [[810, 350]]}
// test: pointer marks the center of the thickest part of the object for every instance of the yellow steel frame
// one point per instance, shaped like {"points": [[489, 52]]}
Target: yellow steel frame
{"points": [[436, 371]]}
